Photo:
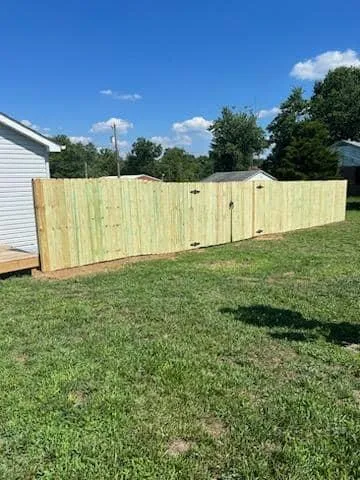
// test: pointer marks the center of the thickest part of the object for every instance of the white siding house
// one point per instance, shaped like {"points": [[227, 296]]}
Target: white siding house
{"points": [[24, 155]]}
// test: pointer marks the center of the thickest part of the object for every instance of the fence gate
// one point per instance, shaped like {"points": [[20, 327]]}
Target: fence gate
{"points": [[209, 214]]}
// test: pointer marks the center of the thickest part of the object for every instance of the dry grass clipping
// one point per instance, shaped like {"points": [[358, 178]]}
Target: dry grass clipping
{"points": [[178, 446], [214, 427]]}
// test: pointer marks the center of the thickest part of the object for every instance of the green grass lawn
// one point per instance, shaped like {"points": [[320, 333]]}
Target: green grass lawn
{"points": [[233, 362]]}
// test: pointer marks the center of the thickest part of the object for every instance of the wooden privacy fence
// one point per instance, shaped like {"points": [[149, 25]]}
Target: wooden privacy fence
{"points": [[87, 221]]}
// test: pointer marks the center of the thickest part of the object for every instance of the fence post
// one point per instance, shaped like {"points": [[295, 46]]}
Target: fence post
{"points": [[41, 227]]}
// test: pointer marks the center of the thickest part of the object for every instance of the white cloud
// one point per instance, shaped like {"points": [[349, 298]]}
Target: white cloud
{"points": [[265, 153], [122, 144], [316, 68], [193, 125], [122, 125], [170, 142], [184, 132], [271, 112], [82, 140], [33, 126], [106, 92], [131, 97], [27, 123]]}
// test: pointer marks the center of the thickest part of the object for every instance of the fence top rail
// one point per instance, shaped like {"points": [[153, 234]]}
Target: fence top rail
{"points": [[139, 182]]}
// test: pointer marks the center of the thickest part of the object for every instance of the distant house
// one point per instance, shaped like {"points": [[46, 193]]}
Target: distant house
{"points": [[349, 152], [240, 176], [24, 154], [142, 177]]}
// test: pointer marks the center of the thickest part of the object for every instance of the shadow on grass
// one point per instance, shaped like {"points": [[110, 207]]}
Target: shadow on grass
{"points": [[353, 205], [290, 325]]}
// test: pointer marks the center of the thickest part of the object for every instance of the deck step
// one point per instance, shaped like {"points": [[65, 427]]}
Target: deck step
{"points": [[12, 260]]}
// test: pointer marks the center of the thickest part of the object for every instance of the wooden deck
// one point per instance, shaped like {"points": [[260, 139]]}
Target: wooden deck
{"points": [[12, 260]]}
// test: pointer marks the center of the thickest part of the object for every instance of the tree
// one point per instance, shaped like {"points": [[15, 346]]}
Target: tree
{"points": [[336, 103], [236, 139], [205, 166], [307, 156], [79, 161], [105, 164], [73, 162], [293, 110], [176, 165], [142, 158]]}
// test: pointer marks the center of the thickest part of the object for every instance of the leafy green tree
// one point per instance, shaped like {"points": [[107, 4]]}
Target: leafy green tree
{"points": [[78, 160], [205, 166], [336, 103], [307, 155], [236, 139], [292, 111], [142, 158], [74, 161], [105, 164], [176, 165]]}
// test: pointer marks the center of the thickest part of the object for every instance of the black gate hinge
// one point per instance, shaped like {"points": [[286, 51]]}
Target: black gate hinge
{"points": [[260, 186], [194, 244], [194, 191]]}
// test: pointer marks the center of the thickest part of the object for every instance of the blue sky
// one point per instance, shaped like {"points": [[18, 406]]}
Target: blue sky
{"points": [[184, 59]]}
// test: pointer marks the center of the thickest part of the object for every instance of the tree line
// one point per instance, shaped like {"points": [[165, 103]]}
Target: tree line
{"points": [[298, 140], [171, 164]]}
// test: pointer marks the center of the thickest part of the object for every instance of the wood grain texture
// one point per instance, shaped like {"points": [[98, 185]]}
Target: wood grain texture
{"points": [[286, 206], [94, 220], [12, 260]]}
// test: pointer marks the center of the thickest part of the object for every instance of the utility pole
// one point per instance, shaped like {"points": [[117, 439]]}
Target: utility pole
{"points": [[116, 150]]}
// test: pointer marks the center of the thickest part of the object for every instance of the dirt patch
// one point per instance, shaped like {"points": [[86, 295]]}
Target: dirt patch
{"points": [[101, 267], [277, 236], [214, 427], [77, 398], [22, 358], [274, 359], [178, 446]]}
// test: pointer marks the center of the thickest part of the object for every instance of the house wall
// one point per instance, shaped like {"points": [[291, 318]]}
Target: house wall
{"points": [[260, 177], [21, 159]]}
